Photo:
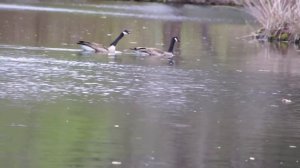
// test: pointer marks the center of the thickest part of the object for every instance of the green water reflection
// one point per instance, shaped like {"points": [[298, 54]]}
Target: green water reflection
{"points": [[59, 135]]}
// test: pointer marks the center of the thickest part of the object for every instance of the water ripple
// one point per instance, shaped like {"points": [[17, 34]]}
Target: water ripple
{"points": [[48, 78], [31, 48], [97, 12]]}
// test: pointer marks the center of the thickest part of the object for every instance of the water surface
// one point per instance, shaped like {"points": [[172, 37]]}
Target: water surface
{"points": [[219, 105]]}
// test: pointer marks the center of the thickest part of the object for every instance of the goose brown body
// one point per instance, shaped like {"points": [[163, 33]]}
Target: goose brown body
{"points": [[157, 52], [99, 48]]}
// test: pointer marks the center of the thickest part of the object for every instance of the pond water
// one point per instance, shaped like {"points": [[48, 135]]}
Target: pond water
{"points": [[219, 105]]}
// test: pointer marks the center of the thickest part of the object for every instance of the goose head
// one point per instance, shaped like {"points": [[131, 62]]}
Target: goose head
{"points": [[176, 39], [125, 32]]}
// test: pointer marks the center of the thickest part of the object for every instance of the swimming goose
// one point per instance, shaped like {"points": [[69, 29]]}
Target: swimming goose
{"points": [[157, 52], [99, 48]]}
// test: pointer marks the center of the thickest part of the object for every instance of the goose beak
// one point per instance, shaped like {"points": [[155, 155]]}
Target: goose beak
{"points": [[79, 42], [126, 32]]}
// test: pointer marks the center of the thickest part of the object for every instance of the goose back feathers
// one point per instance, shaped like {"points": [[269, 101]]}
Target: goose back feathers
{"points": [[155, 51], [99, 48]]}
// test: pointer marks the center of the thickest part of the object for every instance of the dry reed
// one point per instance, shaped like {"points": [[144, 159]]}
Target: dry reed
{"points": [[276, 16]]}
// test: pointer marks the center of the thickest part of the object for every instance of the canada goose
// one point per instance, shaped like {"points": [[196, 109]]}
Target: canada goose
{"points": [[94, 47], [157, 52]]}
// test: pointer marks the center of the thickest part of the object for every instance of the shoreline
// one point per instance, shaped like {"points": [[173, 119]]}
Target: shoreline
{"points": [[194, 2]]}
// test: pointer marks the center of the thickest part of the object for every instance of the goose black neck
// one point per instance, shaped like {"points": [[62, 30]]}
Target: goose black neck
{"points": [[115, 42], [171, 46]]}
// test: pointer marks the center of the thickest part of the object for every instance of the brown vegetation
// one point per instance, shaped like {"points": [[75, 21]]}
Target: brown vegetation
{"points": [[279, 18]]}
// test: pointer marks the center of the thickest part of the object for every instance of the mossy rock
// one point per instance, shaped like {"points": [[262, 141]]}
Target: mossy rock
{"points": [[284, 37], [279, 37]]}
